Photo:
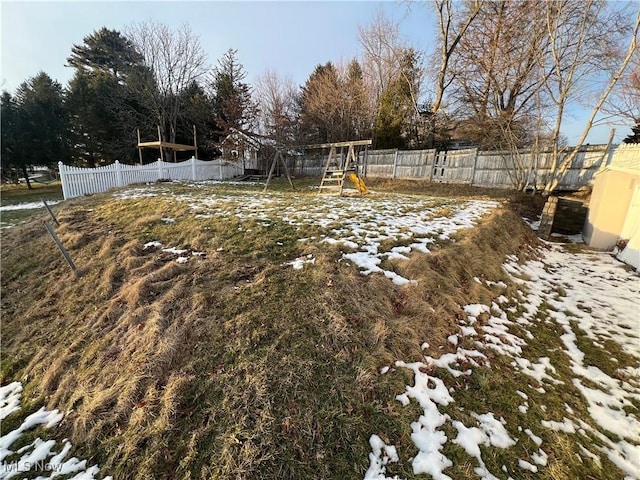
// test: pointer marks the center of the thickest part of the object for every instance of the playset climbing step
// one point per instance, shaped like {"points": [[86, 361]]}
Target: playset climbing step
{"points": [[337, 169]]}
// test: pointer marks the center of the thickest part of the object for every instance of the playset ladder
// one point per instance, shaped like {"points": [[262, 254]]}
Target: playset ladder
{"points": [[337, 169]]}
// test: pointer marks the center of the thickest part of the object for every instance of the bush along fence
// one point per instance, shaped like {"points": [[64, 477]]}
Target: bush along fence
{"points": [[524, 169], [84, 181]]}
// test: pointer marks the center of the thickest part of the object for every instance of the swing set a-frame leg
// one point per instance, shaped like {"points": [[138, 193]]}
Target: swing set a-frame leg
{"points": [[278, 157]]}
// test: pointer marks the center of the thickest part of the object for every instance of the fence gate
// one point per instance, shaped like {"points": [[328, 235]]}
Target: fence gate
{"points": [[439, 165]]}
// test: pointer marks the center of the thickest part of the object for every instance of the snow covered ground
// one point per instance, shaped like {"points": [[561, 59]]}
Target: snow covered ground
{"points": [[27, 206], [583, 294], [586, 294], [361, 226], [46, 457], [599, 299]]}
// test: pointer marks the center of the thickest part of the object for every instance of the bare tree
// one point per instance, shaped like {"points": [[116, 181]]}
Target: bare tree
{"points": [[384, 62], [498, 75], [624, 101], [451, 30], [175, 59], [276, 98], [579, 53], [382, 49]]}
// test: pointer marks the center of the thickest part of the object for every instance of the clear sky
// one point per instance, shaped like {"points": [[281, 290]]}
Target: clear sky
{"points": [[289, 37]]}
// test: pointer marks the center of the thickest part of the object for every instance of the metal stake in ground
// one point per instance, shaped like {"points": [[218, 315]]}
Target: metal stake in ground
{"points": [[53, 217], [60, 246]]}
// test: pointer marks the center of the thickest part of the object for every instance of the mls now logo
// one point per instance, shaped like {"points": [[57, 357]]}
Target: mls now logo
{"points": [[39, 466]]}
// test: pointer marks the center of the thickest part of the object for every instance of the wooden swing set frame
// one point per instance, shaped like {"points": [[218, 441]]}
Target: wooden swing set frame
{"points": [[336, 168], [175, 147]]}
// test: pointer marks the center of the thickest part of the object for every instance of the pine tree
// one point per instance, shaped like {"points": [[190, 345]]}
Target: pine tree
{"points": [[106, 51], [104, 108], [397, 110], [320, 104], [634, 137], [34, 125], [232, 103]]}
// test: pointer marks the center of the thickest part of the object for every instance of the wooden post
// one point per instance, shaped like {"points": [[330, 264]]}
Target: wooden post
{"points": [[286, 170], [193, 168], [434, 164], [395, 164], [139, 148], [195, 141], [365, 161], [278, 158], [64, 180], [160, 140], [475, 164], [119, 174], [60, 247], [273, 166]]}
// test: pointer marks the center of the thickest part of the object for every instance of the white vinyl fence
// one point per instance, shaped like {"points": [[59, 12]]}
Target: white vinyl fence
{"points": [[84, 181]]}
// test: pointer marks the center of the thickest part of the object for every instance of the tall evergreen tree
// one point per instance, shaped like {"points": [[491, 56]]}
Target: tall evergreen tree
{"points": [[8, 134], [319, 105], [104, 108], [357, 115], [106, 51], [36, 125], [232, 103], [397, 111], [197, 110]]}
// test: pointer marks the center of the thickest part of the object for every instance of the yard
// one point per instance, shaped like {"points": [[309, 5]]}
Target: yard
{"points": [[214, 331]]}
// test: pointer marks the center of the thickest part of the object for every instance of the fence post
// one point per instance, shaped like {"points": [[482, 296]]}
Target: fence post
{"points": [[119, 174], [53, 217], [608, 153], [365, 161], [434, 164], [395, 164], [193, 168], [63, 179], [61, 247], [475, 164], [159, 168]]}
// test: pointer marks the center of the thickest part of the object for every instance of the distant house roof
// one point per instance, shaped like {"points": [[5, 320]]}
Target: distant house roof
{"points": [[236, 137]]}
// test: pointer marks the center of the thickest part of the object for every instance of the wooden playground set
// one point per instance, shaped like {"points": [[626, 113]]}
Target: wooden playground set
{"points": [[337, 169]]}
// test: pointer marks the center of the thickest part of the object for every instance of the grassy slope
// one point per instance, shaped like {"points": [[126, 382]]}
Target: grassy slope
{"points": [[233, 366]]}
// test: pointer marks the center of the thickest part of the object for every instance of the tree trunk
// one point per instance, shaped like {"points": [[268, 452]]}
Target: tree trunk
{"points": [[26, 177], [566, 163]]}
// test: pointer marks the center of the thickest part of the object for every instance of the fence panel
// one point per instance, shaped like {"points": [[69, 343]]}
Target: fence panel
{"points": [[486, 169], [454, 166], [414, 164], [490, 171], [626, 156], [85, 181], [380, 163]]}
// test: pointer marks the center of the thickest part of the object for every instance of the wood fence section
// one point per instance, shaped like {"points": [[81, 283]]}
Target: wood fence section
{"points": [[85, 181], [627, 157], [469, 166], [497, 169]]}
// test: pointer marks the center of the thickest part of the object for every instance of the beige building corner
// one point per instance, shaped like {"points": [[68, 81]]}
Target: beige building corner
{"points": [[614, 208]]}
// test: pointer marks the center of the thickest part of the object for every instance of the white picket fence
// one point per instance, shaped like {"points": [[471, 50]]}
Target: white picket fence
{"points": [[85, 181]]}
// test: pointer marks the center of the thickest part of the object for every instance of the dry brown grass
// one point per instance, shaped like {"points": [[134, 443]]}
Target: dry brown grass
{"points": [[227, 366]]}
